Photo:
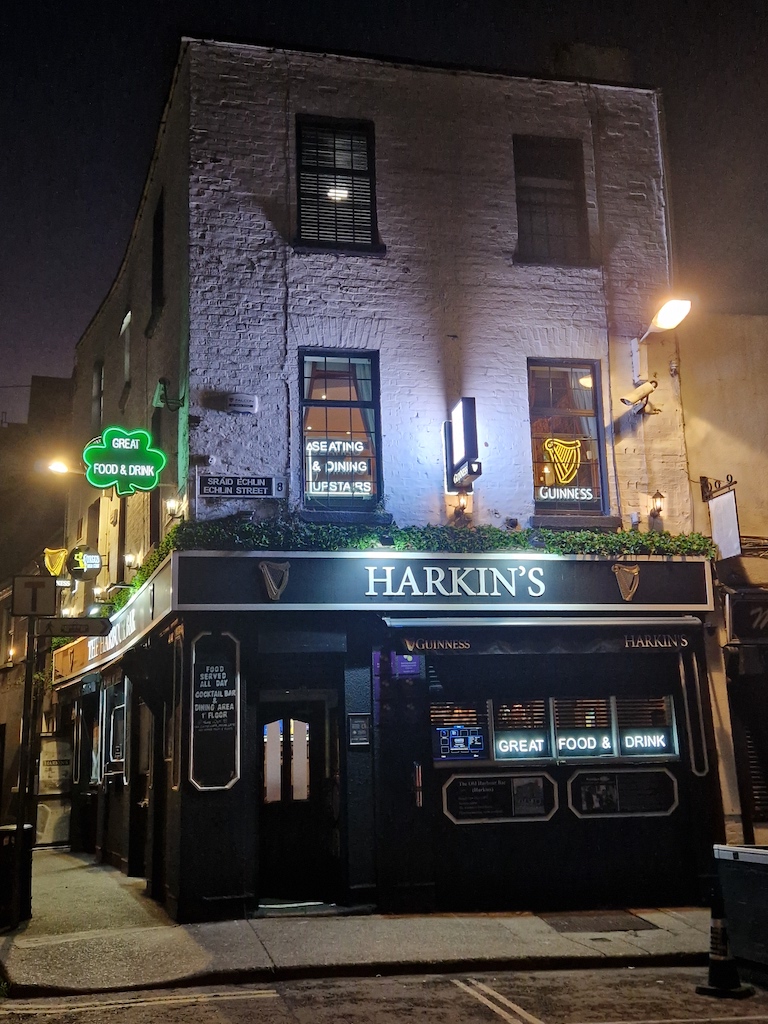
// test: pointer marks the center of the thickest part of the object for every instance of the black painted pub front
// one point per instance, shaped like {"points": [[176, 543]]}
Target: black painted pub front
{"points": [[405, 731]]}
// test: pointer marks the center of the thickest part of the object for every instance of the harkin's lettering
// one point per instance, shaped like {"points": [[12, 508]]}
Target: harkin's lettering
{"points": [[455, 581]]}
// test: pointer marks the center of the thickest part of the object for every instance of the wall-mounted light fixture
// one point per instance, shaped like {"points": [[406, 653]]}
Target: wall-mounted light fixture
{"points": [[163, 400], [657, 505], [131, 561], [671, 314], [173, 508], [61, 467]]}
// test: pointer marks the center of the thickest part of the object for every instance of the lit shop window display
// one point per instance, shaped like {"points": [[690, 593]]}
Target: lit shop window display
{"points": [[565, 436], [340, 432], [550, 729]]}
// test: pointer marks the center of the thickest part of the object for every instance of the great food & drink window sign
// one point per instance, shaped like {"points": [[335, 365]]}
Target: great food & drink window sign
{"points": [[123, 459]]}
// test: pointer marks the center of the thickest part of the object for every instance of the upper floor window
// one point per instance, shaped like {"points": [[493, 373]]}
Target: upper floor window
{"points": [[158, 256], [97, 396], [340, 424], [125, 337], [566, 436], [336, 184], [551, 204]]}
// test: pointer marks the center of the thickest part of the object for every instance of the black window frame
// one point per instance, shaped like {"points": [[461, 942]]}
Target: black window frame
{"points": [[552, 169], [572, 508], [315, 243], [351, 506]]}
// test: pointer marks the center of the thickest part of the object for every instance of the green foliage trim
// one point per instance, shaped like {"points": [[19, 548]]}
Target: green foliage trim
{"points": [[288, 532]]}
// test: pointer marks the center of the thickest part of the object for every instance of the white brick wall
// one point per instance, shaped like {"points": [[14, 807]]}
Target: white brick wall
{"points": [[447, 308]]}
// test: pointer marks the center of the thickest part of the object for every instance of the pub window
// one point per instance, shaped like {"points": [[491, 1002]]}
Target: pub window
{"points": [[551, 204], [521, 730], [341, 437], [459, 731], [286, 765], [646, 726], [114, 722], [566, 436], [584, 728], [336, 185]]}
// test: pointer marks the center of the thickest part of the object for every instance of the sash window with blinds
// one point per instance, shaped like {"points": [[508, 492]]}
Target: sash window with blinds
{"points": [[566, 436], [336, 185], [551, 203]]}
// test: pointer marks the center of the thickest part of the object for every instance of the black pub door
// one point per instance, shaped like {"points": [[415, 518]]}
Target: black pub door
{"points": [[299, 799]]}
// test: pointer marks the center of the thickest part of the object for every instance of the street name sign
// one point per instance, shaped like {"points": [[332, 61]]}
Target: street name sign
{"points": [[85, 626], [241, 487]]}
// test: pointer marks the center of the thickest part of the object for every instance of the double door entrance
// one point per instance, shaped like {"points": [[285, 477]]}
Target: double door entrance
{"points": [[299, 826]]}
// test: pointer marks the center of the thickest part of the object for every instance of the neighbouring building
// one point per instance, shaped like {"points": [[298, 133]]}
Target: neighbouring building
{"points": [[360, 296], [723, 364], [32, 506]]}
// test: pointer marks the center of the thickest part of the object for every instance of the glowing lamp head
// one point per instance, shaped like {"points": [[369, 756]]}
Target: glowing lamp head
{"points": [[671, 314], [57, 466]]}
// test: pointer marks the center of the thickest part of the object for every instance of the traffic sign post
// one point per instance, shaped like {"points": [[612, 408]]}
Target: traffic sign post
{"points": [[83, 626], [33, 597], [24, 759]]}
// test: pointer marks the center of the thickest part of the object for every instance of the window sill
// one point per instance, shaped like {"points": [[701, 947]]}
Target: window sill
{"points": [[566, 521], [556, 265], [312, 248], [346, 517]]}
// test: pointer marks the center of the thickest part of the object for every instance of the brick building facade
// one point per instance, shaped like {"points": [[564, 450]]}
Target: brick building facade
{"points": [[330, 252]]}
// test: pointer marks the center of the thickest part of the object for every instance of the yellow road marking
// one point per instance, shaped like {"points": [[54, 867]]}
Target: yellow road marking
{"points": [[13, 1008]]}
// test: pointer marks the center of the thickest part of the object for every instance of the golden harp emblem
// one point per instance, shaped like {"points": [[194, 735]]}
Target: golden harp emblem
{"points": [[275, 578], [628, 577], [54, 560], [566, 458]]}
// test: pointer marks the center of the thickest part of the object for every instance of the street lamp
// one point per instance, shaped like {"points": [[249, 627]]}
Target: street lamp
{"points": [[61, 467], [669, 316]]}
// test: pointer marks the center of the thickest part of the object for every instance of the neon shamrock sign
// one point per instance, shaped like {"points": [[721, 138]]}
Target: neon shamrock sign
{"points": [[125, 460]]}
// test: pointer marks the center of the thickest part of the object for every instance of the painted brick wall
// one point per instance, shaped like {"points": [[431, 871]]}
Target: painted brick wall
{"points": [[447, 308]]}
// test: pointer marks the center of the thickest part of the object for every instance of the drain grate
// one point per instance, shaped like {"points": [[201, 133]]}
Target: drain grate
{"points": [[597, 921]]}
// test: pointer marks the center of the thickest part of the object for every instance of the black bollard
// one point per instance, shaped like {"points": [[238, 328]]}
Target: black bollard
{"points": [[723, 981]]}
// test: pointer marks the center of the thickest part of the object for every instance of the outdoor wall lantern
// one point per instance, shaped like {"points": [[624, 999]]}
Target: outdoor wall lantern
{"points": [[657, 505], [173, 508]]}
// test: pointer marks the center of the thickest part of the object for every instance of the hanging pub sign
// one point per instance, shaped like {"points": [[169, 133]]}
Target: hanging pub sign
{"points": [[83, 563], [214, 750], [125, 460], [461, 451]]}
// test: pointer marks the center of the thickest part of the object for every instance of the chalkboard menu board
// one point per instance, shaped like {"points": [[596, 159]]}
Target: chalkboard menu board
{"points": [[482, 799], [215, 744], [622, 794]]}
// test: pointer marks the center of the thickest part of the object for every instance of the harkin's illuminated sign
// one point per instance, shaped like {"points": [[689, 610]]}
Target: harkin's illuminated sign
{"points": [[455, 580]]}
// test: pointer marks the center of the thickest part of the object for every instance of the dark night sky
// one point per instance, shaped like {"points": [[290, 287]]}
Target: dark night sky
{"points": [[82, 86]]}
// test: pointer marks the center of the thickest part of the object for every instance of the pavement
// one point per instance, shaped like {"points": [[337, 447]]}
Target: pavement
{"points": [[94, 930]]}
